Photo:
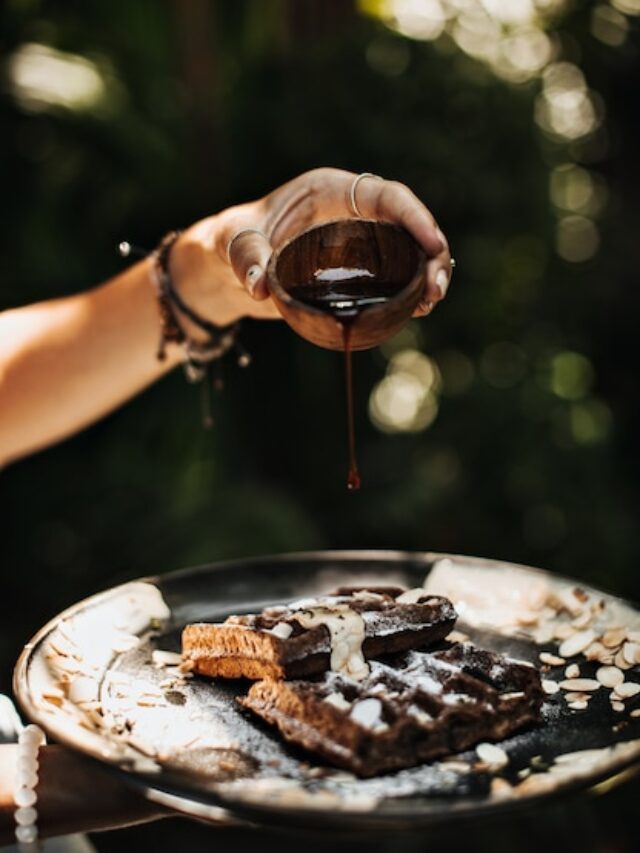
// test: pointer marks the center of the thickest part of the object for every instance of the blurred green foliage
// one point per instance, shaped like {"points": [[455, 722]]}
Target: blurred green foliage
{"points": [[532, 455]]}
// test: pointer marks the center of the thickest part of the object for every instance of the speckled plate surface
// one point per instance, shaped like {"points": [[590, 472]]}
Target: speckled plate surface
{"points": [[93, 679]]}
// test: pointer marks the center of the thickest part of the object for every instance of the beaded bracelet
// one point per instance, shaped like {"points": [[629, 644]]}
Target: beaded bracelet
{"points": [[198, 356], [30, 740]]}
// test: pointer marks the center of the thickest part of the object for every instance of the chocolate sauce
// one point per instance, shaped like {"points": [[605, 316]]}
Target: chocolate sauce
{"points": [[345, 296]]}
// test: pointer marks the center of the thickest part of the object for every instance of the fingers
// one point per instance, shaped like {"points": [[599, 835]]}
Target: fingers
{"points": [[439, 271], [249, 251], [373, 197], [394, 202]]}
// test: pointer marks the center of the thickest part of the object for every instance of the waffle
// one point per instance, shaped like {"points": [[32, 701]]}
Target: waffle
{"points": [[420, 706], [310, 636]]}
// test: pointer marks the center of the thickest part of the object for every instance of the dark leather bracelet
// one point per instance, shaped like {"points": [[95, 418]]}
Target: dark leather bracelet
{"points": [[219, 338]]}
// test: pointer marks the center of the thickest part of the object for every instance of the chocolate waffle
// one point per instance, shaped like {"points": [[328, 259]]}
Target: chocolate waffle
{"points": [[420, 706], [310, 636]]}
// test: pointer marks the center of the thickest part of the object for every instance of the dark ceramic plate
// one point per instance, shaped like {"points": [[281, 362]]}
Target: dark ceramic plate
{"points": [[91, 680]]}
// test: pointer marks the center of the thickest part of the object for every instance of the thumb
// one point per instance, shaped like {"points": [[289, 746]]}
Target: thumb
{"points": [[249, 251]]}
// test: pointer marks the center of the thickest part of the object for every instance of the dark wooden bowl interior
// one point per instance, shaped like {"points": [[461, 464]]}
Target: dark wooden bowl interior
{"points": [[388, 253], [384, 250]]}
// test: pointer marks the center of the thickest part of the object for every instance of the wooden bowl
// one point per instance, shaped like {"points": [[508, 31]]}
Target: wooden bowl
{"points": [[387, 253]]}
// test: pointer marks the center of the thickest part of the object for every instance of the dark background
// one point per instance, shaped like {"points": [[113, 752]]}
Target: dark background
{"points": [[530, 364]]}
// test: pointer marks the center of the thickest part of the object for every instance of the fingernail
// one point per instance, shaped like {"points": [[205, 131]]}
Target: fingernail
{"points": [[442, 282], [252, 276]]}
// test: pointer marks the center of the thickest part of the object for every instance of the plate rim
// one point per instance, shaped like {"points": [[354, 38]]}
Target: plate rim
{"points": [[249, 812]]}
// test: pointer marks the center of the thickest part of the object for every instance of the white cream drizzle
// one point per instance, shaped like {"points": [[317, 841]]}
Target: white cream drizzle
{"points": [[346, 630]]}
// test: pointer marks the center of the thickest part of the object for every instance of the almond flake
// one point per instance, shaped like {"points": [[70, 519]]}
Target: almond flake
{"points": [[282, 630], [582, 684], [614, 637], [576, 644], [492, 755], [337, 700], [583, 619], [577, 697], [568, 600], [595, 651], [161, 658], [83, 689], [457, 637], [578, 706], [631, 652], [500, 788], [609, 676], [627, 689], [618, 706], [634, 636], [635, 712], [411, 596], [572, 671], [550, 687], [551, 660], [621, 661]]}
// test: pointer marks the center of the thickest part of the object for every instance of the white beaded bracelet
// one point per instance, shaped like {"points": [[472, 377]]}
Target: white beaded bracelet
{"points": [[30, 740]]}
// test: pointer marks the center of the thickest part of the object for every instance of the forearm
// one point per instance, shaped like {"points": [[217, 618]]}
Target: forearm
{"points": [[74, 795], [67, 362]]}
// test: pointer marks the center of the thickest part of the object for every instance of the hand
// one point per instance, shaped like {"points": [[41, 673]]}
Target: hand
{"points": [[223, 275]]}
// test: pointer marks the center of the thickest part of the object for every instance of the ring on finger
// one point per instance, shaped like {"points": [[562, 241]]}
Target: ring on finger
{"points": [[239, 234], [353, 204]]}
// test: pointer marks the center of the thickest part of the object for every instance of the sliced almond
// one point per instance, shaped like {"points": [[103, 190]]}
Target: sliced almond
{"points": [[621, 661], [551, 660], [634, 636], [631, 652], [627, 689], [595, 650], [577, 697], [160, 658], [635, 712], [618, 706], [609, 676], [577, 643], [458, 637], [583, 620], [83, 689], [585, 685], [550, 687], [614, 637], [572, 671], [500, 788], [567, 600], [492, 755], [578, 706]]}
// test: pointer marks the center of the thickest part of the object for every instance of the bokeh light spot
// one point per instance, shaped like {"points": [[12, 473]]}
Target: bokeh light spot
{"points": [[609, 26], [577, 238], [571, 375], [42, 77], [590, 422]]}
